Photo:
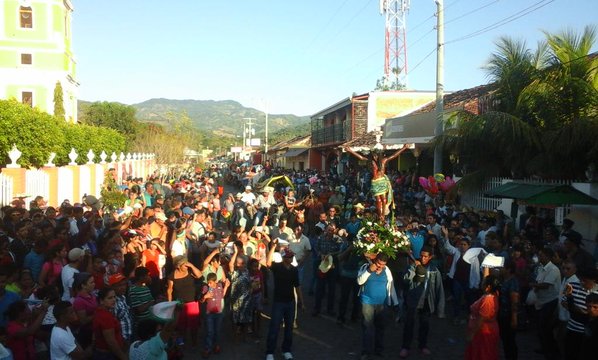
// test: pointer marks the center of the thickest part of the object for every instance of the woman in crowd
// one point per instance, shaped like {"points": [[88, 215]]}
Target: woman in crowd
{"points": [[483, 333], [241, 294], [109, 343], [51, 269], [85, 306], [181, 287]]}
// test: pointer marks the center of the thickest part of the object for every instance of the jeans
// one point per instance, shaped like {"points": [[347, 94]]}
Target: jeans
{"points": [[326, 285], [461, 291], [373, 328], [424, 326], [349, 289], [281, 311], [213, 324], [546, 322]]}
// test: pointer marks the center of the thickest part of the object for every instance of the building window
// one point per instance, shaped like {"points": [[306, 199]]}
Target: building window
{"points": [[27, 98], [26, 15], [26, 59]]}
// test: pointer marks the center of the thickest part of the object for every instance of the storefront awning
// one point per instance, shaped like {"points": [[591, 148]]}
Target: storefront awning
{"points": [[295, 152], [542, 194]]}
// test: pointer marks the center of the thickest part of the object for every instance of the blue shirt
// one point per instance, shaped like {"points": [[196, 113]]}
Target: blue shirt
{"points": [[8, 298], [417, 243], [34, 262], [374, 291]]}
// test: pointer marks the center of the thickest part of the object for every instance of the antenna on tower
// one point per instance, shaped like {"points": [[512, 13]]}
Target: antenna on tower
{"points": [[395, 42]]}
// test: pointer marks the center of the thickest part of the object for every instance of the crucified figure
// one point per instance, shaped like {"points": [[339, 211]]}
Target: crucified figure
{"points": [[381, 186]]}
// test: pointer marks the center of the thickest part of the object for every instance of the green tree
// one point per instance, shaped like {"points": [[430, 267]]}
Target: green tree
{"points": [[58, 101], [545, 121], [112, 115]]}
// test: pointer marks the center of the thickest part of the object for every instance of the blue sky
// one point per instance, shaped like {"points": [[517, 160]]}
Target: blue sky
{"points": [[296, 56]]}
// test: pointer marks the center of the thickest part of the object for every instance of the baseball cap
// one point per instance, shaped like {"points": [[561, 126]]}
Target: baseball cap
{"points": [[115, 279], [188, 211], [239, 195], [160, 216], [76, 254], [247, 187]]}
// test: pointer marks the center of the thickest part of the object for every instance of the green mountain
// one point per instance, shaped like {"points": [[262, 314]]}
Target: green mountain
{"points": [[224, 117]]}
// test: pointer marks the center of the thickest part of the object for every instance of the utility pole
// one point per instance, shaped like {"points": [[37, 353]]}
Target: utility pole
{"points": [[439, 84], [249, 130]]}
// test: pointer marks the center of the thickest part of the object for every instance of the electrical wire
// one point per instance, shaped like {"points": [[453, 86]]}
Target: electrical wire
{"points": [[471, 12], [536, 6], [422, 60], [325, 26]]}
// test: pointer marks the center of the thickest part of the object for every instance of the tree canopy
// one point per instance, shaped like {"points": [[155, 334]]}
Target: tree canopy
{"points": [[544, 121], [112, 115]]}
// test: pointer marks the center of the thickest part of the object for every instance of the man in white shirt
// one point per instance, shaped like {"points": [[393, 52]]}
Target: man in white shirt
{"points": [[248, 196], [62, 342], [546, 288], [67, 275], [485, 228], [299, 244]]}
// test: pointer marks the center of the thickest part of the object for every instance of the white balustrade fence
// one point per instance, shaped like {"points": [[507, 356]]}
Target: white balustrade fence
{"points": [[6, 194], [37, 183], [65, 185], [57, 184]]}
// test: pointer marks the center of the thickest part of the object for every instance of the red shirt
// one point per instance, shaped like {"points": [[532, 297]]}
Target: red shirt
{"points": [[151, 262], [22, 347], [104, 320]]}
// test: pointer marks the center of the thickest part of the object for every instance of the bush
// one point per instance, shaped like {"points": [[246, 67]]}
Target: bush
{"points": [[37, 134]]}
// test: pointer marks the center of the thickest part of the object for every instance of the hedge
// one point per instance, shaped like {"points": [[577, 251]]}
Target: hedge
{"points": [[37, 134]]}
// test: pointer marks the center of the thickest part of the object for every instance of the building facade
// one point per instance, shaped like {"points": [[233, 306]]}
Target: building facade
{"points": [[355, 117], [36, 54]]}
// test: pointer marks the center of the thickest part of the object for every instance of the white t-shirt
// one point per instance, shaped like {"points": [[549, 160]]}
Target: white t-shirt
{"points": [[67, 276], [178, 248], [299, 246], [62, 343]]}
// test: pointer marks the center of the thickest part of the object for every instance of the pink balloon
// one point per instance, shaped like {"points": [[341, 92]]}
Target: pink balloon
{"points": [[424, 182]]}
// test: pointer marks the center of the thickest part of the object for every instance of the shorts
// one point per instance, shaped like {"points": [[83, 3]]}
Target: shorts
{"points": [[189, 316]]}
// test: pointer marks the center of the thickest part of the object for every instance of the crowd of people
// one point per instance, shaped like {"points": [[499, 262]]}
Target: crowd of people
{"points": [[80, 281]]}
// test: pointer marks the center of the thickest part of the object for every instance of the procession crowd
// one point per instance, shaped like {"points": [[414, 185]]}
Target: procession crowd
{"points": [[83, 282]]}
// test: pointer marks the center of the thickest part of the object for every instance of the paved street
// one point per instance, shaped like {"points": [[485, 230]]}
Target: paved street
{"points": [[321, 338]]}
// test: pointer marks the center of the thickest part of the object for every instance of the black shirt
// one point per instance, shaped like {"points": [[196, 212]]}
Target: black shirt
{"points": [[183, 288], [285, 280]]}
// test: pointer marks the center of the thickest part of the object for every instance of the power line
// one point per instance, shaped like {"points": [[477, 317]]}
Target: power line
{"points": [[317, 36], [350, 21], [536, 6], [422, 60], [471, 12]]}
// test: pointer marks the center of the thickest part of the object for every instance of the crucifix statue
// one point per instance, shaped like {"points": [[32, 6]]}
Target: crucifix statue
{"points": [[381, 187]]}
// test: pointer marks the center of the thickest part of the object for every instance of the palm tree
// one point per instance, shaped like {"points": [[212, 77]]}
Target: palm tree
{"points": [[546, 118]]}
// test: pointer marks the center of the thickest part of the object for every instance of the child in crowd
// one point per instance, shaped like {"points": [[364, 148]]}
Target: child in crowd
{"points": [[213, 297], [257, 291]]}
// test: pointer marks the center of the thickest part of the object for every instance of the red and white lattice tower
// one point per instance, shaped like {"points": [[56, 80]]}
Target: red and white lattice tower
{"points": [[395, 41]]}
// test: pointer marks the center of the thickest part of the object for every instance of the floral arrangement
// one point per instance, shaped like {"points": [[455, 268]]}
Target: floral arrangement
{"points": [[374, 238]]}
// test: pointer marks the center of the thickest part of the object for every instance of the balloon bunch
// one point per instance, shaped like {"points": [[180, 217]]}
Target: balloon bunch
{"points": [[434, 184]]}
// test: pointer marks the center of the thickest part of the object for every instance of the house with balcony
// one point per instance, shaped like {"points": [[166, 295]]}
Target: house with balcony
{"points": [[354, 117], [36, 54]]}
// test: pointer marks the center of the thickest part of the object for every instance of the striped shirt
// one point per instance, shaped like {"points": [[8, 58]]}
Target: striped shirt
{"points": [[577, 299], [140, 295]]}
